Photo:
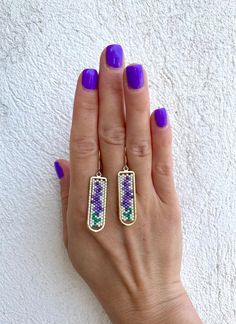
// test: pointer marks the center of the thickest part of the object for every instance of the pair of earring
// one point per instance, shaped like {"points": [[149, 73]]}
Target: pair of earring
{"points": [[97, 198]]}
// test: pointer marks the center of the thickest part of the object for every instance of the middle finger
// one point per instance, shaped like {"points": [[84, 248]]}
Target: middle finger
{"points": [[111, 124]]}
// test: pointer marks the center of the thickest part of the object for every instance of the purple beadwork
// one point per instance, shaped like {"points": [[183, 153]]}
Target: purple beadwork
{"points": [[127, 208], [97, 201], [127, 193]]}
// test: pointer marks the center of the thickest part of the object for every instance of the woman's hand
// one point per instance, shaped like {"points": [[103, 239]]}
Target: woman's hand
{"points": [[133, 270]]}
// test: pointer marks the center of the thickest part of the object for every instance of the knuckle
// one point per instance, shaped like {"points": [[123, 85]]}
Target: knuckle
{"points": [[140, 104], [114, 135], [114, 86], [83, 147], [164, 141], [163, 169], [90, 104], [140, 149]]}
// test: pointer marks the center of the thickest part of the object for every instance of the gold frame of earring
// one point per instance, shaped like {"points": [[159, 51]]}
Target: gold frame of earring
{"points": [[97, 198], [127, 196]]}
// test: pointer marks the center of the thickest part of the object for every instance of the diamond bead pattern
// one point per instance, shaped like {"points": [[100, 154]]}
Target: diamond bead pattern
{"points": [[97, 203], [126, 190]]}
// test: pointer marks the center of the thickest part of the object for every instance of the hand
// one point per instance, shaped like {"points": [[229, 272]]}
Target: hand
{"points": [[133, 270]]}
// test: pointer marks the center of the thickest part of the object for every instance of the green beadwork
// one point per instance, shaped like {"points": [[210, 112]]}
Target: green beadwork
{"points": [[128, 214], [129, 217], [95, 218]]}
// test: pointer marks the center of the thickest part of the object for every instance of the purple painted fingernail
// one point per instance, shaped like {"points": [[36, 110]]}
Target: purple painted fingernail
{"points": [[161, 117], [59, 170], [114, 55], [90, 79], [135, 76]]}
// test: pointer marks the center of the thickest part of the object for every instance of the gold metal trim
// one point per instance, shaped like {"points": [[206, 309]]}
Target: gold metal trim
{"points": [[134, 197], [89, 203]]}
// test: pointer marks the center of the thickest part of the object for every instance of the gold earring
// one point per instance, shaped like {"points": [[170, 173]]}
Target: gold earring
{"points": [[127, 196], [97, 202]]}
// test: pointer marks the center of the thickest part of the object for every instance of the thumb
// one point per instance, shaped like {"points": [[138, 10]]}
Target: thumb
{"points": [[62, 168]]}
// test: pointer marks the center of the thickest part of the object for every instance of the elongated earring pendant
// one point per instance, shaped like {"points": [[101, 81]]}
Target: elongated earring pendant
{"points": [[127, 196], [97, 202]]}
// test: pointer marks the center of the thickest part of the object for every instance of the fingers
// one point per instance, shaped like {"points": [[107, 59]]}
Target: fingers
{"points": [[84, 138], [138, 138], [162, 156], [111, 110], [62, 168]]}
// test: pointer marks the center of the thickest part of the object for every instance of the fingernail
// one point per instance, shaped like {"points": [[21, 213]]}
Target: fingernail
{"points": [[134, 75], [114, 55], [161, 117], [90, 79], [59, 170]]}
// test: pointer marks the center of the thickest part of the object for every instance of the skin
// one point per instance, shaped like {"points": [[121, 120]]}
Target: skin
{"points": [[134, 271]]}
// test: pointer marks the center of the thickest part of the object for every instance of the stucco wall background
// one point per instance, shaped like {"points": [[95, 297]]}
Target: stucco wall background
{"points": [[188, 50]]}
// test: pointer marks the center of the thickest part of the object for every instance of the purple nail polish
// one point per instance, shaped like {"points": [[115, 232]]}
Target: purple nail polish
{"points": [[135, 76], [114, 55], [59, 170], [90, 79], [161, 117]]}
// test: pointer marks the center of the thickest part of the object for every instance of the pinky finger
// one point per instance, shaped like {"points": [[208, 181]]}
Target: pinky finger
{"points": [[62, 168], [162, 165]]}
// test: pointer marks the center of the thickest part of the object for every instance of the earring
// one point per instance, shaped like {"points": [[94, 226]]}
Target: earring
{"points": [[127, 196], [97, 202]]}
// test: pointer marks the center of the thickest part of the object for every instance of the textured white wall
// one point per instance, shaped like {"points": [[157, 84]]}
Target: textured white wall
{"points": [[187, 48]]}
